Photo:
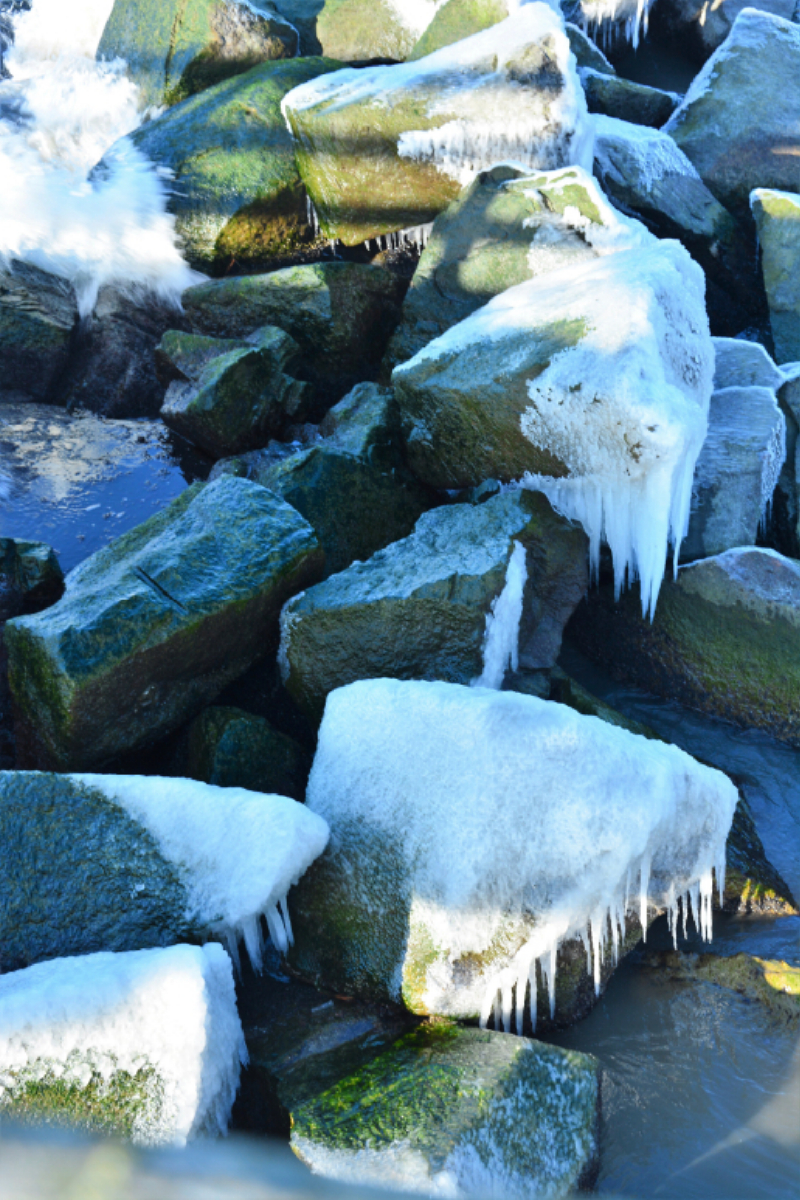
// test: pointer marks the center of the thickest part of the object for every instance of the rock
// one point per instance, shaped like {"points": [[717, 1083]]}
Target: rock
{"points": [[386, 148], [174, 48], [453, 866], [737, 122], [237, 398], [232, 748], [628, 101], [587, 54], [38, 318], [33, 571], [742, 364], [341, 314], [777, 217], [788, 491], [363, 30], [700, 29], [152, 627], [303, 15], [237, 195], [776, 985], [422, 608], [723, 640], [474, 1112], [737, 471], [146, 1045], [455, 20]]}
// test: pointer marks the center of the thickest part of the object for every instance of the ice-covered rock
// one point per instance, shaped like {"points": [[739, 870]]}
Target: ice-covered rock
{"points": [[628, 101], [590, 383], [146, 1045], [38, 320], [742, 364], [153, 626], [364, 30], [474, 590], [118, 862], [777, 217], [387, 148], [459, 1112], [738, 121], [475, 831]]}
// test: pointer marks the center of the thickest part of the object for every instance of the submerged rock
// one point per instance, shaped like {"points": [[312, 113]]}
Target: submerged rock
{"points": [[38, 320], [776, 985], [363, 30], [472, 588], [629, 101], [232, 748], [777, 217], [464, 1110], [152, 627]]}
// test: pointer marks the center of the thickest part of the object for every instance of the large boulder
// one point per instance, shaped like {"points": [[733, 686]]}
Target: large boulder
{"points": [[777, 217], [38, 320], [174, 48], [237, 194], [152, 627], [146, 1045], [548, 380], [363, 30], [473, 588], [449, 1111], [738, 121], [386, 148], [116, 862], [628, 101], [466, 845]]}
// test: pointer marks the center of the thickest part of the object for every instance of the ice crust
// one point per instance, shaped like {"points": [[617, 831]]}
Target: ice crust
{"points": [[173, 1010], [500, 805], [654, 152], [236, 852]]}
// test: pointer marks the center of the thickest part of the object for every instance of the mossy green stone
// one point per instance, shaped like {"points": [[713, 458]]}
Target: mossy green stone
{"points": [[113, 1107], [362, 30], [456, 20], [771, 983], [777, 217], [38, 320], [626, 100], [232, 748]]}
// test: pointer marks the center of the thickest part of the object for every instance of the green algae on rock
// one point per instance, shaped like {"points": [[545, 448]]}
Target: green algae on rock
{"points": [[774, 984], [363, 30], [629, 101], [152, 627], [777, 217]]}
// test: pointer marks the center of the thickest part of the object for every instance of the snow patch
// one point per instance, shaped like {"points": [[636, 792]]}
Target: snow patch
{"points": [[501, 639]]}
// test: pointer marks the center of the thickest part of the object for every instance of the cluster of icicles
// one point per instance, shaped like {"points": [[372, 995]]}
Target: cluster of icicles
{"points": [[415, 237], [250, 932]]}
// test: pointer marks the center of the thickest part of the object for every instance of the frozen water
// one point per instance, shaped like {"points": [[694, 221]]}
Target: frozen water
{"points": [[605, 17], [172, 1010], [501, 640], [620, 145]]}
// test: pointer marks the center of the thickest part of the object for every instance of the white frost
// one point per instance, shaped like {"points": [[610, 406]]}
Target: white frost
{"points": [[501, 640], [172, 1010], [621, 147]]}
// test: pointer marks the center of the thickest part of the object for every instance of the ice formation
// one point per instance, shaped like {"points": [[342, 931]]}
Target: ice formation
{"points": [[83, 1019], [59, 113], [607, 16], [236, 852], [501, 640], [653, 153], [501, 807]]}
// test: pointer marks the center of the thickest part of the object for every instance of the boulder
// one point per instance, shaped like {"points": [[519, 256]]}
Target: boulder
{"points": [[364, 30], [587, 53], [38, 319], [237, 398], [341, 314], [737, 122], [777, 217], [426, 607], [725, 639], [737, 471], [174, 48], [386, 148], [235, 749], [119, 862], [455, 20], [742, 364], [628, 101], [788, 492], [303, 14], [453, 866], [768, 982], [699, 29], [152, 627], [546, 381], [460, 1112], [237, 195], [146, 1045]]}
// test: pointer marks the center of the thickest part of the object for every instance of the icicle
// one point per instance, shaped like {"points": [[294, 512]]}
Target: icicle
{"points": [[584, 936], [598, 920], [533, 994], [644, 883], [311, 216], [507, 1004], [719, 871], [496, 1009], [276, 928], [706, 892], [253, 940], [283, 906], [694, 894], [486, 1010], [500, 641], [672, 914], [232, 943]]}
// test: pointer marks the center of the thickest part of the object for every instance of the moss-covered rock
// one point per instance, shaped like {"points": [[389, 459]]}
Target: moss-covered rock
{"points": [[152, 627], [237, 195], [38, 319], [774, 984], [419, 608], [232, 748], [635, 102], [363, 30], [174, 48], [458, 19], [475, 1111], [777, 217]]}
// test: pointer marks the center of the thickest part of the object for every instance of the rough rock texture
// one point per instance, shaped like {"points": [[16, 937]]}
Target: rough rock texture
{"points": [[699, 28], [738, 121], [363, 30], [742, 364], [455, 20], [237, 196], [626, 100], [724, 640], [788, 492], [303, 14], [154, 626], [341, 314], [174, 48], [238, 398], [419, 608], [232, 748], [777, 217], [38, 318], [483, 1113], [772, 983]]}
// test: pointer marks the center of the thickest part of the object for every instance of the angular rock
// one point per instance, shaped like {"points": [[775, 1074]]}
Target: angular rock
{"points": [[777, 217], [628, 101], [742, 364], [725, 639], [363, 30], [38, 319], [174, 48], [303, 14], [386, 148], [365, 422], [587, 53], [455, 20], [341, 314], [32, 569], [700, 29], [453, 866], [478, 1113], [235, 749], [738, 121], [119, 862], [238, 398], [151, 628], [788, 492], [146, 1045], [737, 471], [237, 195]]}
